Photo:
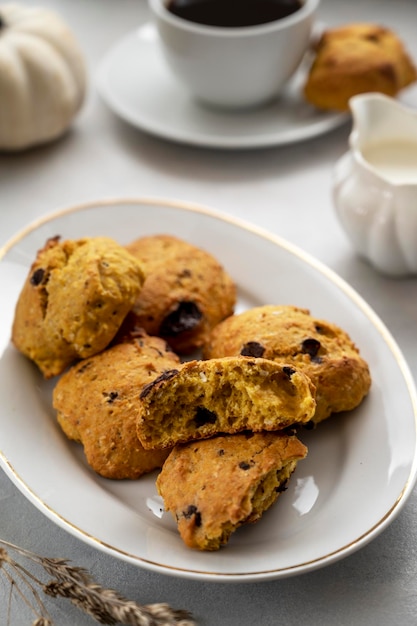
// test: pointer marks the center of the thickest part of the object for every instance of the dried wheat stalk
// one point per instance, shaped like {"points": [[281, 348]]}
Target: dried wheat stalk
{"points": [[106, 606]]}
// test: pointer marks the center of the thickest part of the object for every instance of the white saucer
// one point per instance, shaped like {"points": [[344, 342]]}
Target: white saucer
{"points": [[135, 83]]}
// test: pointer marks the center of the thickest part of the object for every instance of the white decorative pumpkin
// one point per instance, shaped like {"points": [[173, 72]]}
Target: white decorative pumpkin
{"points": [[42, 76]]}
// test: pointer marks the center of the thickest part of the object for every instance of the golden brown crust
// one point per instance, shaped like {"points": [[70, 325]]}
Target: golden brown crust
{"points": [[288, 334], [212, 487], [354, 59], [226, 395], [96, 402], [186, 291], [75, 297]]}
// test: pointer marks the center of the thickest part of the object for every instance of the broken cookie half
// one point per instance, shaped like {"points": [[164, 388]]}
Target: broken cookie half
{"points": [[201, 399], [214, 486]]}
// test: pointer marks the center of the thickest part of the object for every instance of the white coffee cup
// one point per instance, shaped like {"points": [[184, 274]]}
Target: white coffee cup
{"points": [[234, 67]]}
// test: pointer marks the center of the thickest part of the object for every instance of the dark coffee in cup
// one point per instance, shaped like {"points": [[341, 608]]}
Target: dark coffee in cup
{"points": [[233, 13]]}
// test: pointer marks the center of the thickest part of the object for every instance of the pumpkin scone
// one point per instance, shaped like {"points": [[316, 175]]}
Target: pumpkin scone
{"points": [[75, 298], [214, 486], [185, 294], [227, 395], [354, 59], [96, 403], [290, 335]]}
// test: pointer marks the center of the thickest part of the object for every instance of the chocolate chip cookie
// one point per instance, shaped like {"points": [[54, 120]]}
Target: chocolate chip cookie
{"points": [[227, 395], [96, 403], [185, 294], [357, 58], [290, 335], [75, 298], [214, 486]]}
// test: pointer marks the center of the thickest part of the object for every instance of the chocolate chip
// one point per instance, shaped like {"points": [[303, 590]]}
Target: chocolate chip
{"points": [[84, 367], [190, 511], [166, 375], [37, 277], [204, 416], [220, 452], [282, 487], [288, 371], [388, 71], [311, 347], [372, 37], [111, 397], [184, 318], [252, 348], [244, 465]]}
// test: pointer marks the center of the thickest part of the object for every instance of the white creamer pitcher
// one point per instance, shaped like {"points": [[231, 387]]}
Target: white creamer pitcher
{"points": [[375, 184]]}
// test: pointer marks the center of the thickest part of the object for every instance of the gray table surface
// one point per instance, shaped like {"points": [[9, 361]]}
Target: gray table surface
{"points": [[102, 158]]}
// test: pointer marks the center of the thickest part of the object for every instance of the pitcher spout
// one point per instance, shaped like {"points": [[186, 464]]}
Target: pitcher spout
{"points": [[379, 119]]}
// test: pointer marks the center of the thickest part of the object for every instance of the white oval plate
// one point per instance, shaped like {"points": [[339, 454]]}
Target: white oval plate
{"points": [[361, 466], [134, 82]]}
